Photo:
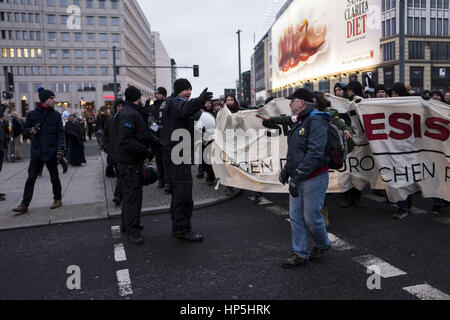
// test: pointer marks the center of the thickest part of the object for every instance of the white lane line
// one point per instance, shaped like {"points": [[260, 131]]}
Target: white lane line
{"points": [[278, 211], [418, 211], [339, 244], [119, 253], [374, 197], [427, 292], [387, 270], [263, 201], [123, 277], [116, 232], [444, 221]]}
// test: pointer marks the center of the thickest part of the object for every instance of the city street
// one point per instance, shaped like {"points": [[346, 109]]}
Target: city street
{"points": [[239, 260]]}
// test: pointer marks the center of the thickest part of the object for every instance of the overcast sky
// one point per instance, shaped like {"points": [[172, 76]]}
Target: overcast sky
{"points": [[203, 32]]}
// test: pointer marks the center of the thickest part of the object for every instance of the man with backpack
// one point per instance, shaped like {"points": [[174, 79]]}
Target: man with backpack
{"points": [[306, 171]]}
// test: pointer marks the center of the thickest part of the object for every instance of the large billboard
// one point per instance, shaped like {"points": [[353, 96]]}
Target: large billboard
{"points": [[316, 38]]}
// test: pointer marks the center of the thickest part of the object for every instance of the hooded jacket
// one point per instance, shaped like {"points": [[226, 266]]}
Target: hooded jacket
{"points": [[307, 153]]}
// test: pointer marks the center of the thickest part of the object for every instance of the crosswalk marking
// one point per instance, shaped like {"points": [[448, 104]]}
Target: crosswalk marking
{"points": [[263, 201], [123, 278], [279, 211], [119, 253], [427, 292], [387, 270], [339, 244], [116, 232]]}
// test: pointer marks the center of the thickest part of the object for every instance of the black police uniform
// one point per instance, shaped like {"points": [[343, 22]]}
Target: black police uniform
{"points": [[179, 114], [134, 141]]}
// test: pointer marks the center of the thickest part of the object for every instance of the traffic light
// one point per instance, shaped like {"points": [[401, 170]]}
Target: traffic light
{"points": [[10, 82], [196, 71]]}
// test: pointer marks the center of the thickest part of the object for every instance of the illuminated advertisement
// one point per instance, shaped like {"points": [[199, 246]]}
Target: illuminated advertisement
{"points": [[316, 38]]}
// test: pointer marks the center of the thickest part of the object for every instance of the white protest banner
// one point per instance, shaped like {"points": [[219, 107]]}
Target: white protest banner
{"points": [[406, 148]]}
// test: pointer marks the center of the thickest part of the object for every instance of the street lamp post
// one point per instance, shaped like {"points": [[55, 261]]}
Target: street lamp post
{"points": [[240, 72], [402, 41]]}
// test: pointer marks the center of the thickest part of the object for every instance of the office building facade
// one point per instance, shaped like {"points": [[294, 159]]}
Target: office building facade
{"points": [[67, 46]]}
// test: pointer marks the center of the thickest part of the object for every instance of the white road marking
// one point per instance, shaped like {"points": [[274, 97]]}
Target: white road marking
{"points": [[278, 211], [119, 253], [123, 277], [427, 292], [263, 202], [374, 197], [339, 244], [418, 211], [387, 270], [444, 221], [116, 232]]}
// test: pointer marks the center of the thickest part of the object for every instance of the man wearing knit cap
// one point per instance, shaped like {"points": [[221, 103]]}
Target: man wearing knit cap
{"points": [[178, 114], [133, 139], [45, 127]]}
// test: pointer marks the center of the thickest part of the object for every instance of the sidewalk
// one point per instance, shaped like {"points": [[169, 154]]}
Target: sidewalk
{"points": [[87, 196], [83, 196]]}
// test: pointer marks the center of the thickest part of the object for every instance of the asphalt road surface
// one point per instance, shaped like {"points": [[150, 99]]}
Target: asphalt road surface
{"points": [[240, 259]]}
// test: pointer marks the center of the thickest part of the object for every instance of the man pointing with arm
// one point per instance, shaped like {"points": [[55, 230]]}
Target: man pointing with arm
{"points": [[178, 114]]}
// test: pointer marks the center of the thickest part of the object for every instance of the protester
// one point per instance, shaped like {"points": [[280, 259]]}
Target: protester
{"points": [[3, 142], [17, 130], [438, 95], [178, 112], [90, 126], [381, 91], [217, 107], [133, 149], [340, 90], [306, 170], [74, 142], [45, 126], [231, 103], [112, 147], [353, 196], [398, 90], [155, 110], [447, 97]]}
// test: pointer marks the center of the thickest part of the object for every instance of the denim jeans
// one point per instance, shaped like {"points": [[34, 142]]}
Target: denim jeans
{"points": [[305, 215]]}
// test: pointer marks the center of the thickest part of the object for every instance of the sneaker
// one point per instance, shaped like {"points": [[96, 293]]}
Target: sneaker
{"points": [[401, 214], [189, 236], [318, 253], [257, 199], [137, 240], [22, 209], [295, 261], [436, 210], [56, 205]]}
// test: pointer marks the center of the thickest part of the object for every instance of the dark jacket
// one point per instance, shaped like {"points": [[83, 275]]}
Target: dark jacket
{"points": [[50, 138], [134, 138], [3, 140], [111, 139], [307, 153], [155, 110], [17, 127], [178, 114]]}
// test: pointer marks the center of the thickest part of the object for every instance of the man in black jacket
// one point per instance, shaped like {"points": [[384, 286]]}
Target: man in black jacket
{"points": [[178, 113], [3, 142], [45, 126], [155, 112], [134, 140]]}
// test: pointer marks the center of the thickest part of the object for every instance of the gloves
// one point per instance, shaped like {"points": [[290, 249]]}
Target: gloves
{"points": [[293, 189], [60, 154], [206, 96], [284, 177]]}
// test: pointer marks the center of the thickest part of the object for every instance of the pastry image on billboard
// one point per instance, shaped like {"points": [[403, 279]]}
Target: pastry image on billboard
{"points": [[300, 44]]}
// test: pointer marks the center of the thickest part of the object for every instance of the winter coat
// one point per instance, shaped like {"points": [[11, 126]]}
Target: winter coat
{"points": [[134, 138], [178, 114], [50, 138], [307, 153], [74, 142]]}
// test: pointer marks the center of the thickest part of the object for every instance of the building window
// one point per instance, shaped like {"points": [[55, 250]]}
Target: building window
{"points": [[440, 78], [417, 79], [389, 76], [389, 51], [440, 50], [416, 49]]}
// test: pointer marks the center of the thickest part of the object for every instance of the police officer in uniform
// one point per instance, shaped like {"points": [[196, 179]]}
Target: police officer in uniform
{"points": [[179, 112], [134, 140]]}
